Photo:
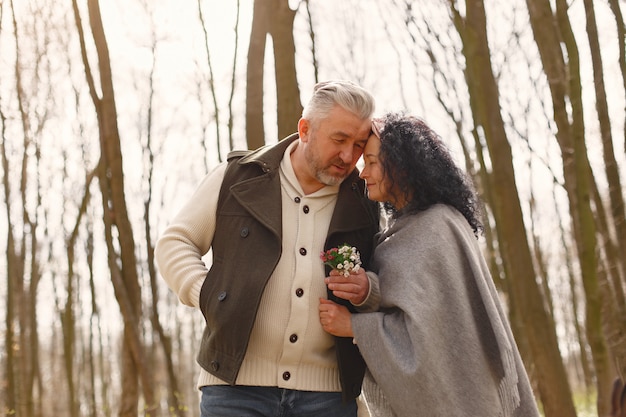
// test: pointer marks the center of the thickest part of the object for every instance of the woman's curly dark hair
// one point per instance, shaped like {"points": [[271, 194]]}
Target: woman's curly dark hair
{"points": [[420, 168]]}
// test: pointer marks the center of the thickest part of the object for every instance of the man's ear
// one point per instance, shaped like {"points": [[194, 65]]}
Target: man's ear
{"points": [[304, 128]]}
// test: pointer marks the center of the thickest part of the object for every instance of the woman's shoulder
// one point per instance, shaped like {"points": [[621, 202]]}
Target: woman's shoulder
{"points": [[443, 211], [438, 219], [435, 215]]}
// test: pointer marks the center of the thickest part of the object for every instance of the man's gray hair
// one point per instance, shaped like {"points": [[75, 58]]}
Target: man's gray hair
{"points": [[346, 94]]}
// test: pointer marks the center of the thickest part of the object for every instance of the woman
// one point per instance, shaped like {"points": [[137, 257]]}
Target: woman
{"points": [[440, 343]]}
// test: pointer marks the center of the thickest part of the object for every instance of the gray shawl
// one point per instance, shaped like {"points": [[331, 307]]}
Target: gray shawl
{"points": [[440, 345]]}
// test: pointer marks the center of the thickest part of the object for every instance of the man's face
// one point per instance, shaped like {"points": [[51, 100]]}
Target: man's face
{"points": [[334, 145]]}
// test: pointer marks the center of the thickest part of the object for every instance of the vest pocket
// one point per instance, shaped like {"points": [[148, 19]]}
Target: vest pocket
{"points": [[210, 293]]}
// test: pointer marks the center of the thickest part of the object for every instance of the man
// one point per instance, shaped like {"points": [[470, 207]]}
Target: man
{"points": [[267, 215]]}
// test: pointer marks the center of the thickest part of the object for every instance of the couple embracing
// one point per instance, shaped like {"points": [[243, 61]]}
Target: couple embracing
{"points": [[418, 329]]}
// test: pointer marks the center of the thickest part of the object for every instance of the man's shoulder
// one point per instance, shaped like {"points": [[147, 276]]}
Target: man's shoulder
{"points": [[268, 156], [237, 154]]}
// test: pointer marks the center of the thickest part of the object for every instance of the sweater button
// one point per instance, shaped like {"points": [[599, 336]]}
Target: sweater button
{"points": [[305, 209], [286, 376], [293, 338], [302, 251], [299, 292], [297, 199]]}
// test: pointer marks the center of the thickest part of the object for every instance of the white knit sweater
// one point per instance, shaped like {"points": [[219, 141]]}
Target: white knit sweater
{"points": [[310, 359]]}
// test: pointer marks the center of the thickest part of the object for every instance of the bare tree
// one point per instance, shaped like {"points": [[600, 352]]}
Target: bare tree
{"points": [[307, 6], [539, 328], [212, 88], [122, 264], [273, 17], [255, 127], [621, 43], [76, 244], [287, 91], [617, 264], [23, 244], [175, 396], [68, 321], [563, 75], [11, 396], [233, 78]]}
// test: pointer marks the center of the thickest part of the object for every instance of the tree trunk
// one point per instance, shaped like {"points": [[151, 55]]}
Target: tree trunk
{"points": [[610, 288], [287, 91], [316, 69], [211, 85], [564, 82], [272, 17], [233, 78], [123, 265], [621, 43], [539, 329], [175, 396], [11, 391], [255, 128], [68, 320], [579, 186], [585, 362], [25, 268], [617, 267]]}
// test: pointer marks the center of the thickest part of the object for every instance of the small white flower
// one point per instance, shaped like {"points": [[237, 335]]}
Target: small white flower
{"points": [[345, 258]]}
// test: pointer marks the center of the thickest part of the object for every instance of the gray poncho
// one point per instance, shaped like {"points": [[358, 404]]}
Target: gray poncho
{"points": [[441, 344]]}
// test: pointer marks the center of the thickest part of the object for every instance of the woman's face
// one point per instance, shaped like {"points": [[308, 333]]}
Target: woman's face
{"points": [[373, 173]]}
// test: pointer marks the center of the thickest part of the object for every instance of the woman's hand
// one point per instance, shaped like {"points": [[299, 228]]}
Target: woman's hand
{"points": [[335, 318]]}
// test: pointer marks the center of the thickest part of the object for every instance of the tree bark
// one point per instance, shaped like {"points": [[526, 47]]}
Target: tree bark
{"points": [[287, 90], [579, 186], [617, 264], [11, 396], [621, 43], [273, 17], [255, 127], [211, 83]]}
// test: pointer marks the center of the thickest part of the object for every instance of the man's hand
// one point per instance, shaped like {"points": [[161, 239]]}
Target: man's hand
{"points": [[353, 288], [335, 318]]}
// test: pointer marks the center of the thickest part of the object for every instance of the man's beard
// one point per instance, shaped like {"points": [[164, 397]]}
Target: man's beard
{"points": [[320, 171], [328, 179]]}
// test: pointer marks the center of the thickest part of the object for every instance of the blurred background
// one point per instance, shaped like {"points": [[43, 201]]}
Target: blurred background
{"points": [[111, 113]]}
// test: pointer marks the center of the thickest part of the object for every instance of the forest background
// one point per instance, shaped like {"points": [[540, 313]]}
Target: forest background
{"points": [[112, 112]]}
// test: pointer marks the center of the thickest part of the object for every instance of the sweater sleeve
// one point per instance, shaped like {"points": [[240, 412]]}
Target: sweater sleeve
{"points": [[179, 250], [372, 301]]}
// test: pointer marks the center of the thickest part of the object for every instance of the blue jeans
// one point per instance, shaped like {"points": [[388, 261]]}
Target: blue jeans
{"points": [[245, 401]]}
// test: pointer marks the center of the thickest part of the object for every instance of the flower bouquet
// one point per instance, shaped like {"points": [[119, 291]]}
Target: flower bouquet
{"points": [[344, 259]]}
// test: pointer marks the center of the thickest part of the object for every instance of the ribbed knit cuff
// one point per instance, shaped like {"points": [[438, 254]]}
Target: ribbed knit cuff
{"points": [[372, 301]]}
